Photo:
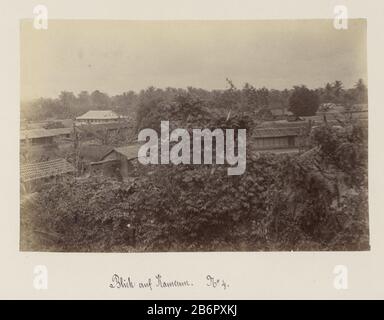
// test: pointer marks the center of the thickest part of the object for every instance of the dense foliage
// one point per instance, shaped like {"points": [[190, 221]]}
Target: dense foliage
{"points": [[303, 102], [314, 201], [246, 99]]}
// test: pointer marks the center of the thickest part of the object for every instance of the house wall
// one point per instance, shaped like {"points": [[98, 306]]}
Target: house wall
{"points": [[115, 165], [41, 141]]}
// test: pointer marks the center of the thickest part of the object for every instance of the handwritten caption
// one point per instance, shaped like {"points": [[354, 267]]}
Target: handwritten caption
{"points": [[159, 282]]}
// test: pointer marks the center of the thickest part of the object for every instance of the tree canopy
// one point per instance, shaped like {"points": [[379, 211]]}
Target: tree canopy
{"points": [[247, 99], [303, 102]]}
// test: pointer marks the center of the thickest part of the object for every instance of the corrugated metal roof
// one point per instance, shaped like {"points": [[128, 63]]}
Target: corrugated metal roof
{"points": [[130, 152], [282, 124], [39, 170], [61, 131], [35, 133], [43, 133], [98, 115], [99, 126], [276, 132], [95, 152]]}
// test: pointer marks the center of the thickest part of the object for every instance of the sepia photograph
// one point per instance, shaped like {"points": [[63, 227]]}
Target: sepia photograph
{"points": [[193, 136]]}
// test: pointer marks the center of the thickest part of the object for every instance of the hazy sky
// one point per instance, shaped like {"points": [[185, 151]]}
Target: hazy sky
{"points": [[118, 56]]}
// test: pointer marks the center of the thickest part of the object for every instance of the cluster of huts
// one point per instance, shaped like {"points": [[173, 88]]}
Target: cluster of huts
{"points": [[277, 135], [39, 140]]}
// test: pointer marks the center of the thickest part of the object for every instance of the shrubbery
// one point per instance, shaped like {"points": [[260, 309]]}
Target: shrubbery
{"points": [[313, 201]]}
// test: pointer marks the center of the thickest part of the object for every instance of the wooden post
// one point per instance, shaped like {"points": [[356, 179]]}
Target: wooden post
{"points": [[75, 147]]}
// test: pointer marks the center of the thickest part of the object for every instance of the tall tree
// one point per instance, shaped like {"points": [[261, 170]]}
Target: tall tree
{"points": [[337, 91], [68, 102], [303, 102], [328, 93], [361, 93], [100, 100], [250, 99]]}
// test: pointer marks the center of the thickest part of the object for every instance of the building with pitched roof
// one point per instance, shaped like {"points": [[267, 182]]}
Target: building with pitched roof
{"points": [[43, 136], [278, 138], [32, 174], [98, 117], [117, 162], [46, 169]]}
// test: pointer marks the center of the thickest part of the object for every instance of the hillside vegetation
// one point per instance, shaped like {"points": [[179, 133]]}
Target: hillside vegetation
{"points": [[315, 200]]}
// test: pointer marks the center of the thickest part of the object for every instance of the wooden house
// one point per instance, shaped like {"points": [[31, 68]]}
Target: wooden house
{"points": [[117, 162], [98, 116], [43, 136], [277, 138]]}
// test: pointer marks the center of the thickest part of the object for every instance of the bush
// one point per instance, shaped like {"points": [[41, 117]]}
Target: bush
{"points": [[303, 102], [313, 201]]}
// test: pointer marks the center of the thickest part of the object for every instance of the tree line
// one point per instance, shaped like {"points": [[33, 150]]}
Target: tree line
{"points": [[248, 99]]}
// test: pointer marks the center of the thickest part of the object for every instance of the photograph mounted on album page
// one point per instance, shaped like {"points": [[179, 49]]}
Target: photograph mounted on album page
{"points": [[179, 149]]}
